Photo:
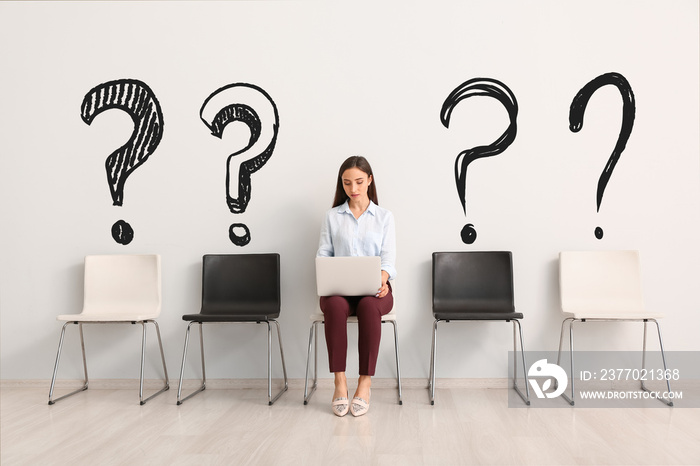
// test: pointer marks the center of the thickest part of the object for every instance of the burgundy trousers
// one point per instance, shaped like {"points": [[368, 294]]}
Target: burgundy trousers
{"points": [[369, 311]]}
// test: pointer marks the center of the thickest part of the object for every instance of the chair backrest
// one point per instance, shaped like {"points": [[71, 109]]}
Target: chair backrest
{"points": [[473, 281], [122, 285], [241, 284], [600, 282]]}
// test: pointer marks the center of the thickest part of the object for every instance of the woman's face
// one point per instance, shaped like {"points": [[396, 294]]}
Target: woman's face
{"points": [[355, 183]]}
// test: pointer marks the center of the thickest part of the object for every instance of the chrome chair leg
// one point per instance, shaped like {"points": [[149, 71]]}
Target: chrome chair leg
{"points": [[663, 359], [82, 350], [561, 341], [570, 321], [201, 352], [644, 353], [143, 360], [316, 327], [644, 346], [526, 398], [181, 400], [398, 367], [515, 358], [269, 364], [82, 346], [313, 337], [433, 355], [58, 358], [571, 357], [166, 386], [316, 354], [182, 365], [162, 356], [284, 366]]}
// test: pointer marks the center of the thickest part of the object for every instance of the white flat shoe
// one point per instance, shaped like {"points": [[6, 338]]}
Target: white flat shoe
{"points": [[360, 406], [340, 406]]}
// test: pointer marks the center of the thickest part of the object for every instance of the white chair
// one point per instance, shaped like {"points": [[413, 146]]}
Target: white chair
{"points": [[317, 319], [600, 286], [118, 289]]}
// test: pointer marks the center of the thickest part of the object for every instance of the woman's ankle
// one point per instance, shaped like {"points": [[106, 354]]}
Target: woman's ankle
{"points": [[364, 384], [341, 384]]}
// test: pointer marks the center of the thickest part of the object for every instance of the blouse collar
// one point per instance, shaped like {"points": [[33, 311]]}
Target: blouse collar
{"points": [[345, 208]]}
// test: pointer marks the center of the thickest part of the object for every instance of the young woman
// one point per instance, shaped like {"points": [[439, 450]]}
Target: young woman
{"points": [[357, 226]]}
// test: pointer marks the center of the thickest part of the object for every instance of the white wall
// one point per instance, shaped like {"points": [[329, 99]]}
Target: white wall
{"points": [[347, 78]]}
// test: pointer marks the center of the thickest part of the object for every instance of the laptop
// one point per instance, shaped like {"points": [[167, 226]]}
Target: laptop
{"points": [[348, 276]]}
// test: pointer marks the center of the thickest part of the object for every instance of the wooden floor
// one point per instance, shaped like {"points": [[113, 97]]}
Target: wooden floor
{"points": [[223, 426]]}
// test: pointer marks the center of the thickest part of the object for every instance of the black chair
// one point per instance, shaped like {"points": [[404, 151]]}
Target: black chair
{"points": [[471, 286], [238, 288]]}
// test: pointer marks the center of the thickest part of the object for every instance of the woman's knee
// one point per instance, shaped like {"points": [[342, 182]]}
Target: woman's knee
{"points": [[369, 309], [370, 304], [335, 306]]}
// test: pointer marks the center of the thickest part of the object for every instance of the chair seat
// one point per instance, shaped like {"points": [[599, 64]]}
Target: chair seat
{"points": [[107, 317], [478, 315], [610, 315], [319, 317], [229, 317]]}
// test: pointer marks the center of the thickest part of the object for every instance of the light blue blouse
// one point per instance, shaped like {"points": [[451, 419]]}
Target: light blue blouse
{"points": [[373, 234]]}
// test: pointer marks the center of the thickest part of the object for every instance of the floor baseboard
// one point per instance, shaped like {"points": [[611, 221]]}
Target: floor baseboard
{"points": [[238, 384]]}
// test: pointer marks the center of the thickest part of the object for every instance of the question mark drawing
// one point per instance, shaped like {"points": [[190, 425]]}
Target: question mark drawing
{"points": [[251, 105], [578, 108], [137, 99], [479, 87]]}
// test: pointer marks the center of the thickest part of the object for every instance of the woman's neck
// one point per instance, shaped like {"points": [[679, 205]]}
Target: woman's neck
{"points": [[359, 206]]}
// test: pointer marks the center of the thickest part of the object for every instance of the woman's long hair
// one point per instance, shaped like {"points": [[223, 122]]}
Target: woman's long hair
{"points": [[356, 161]]}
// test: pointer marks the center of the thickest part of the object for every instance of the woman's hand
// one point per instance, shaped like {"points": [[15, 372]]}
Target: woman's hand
{"points": [[384, 290]]}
